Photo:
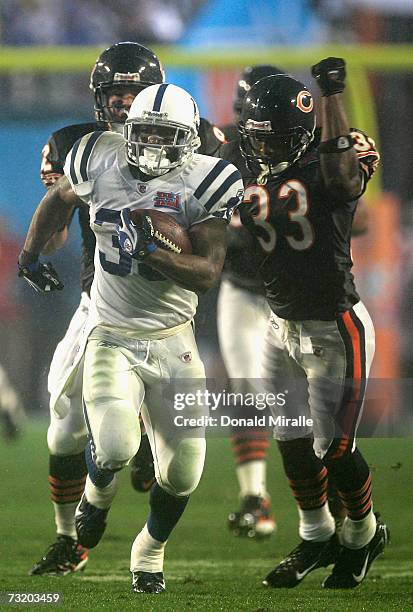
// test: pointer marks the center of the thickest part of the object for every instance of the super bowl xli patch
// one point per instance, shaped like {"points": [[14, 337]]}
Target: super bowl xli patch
{"points": [[167, 199]]}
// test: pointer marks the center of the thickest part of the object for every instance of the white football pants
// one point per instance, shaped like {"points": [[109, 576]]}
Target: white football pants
{"points": [[123, 377], [68, 435], [242, 324], [323, 370]]}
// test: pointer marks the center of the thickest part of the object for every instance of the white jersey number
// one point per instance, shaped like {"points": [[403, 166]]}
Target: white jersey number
{"points": [[260, 216], [299, 214], [124, 265]]}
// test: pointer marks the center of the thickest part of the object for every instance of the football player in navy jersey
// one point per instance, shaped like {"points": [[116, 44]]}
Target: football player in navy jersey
{"points": [[300, 199], [119, 74], [242, 317]]}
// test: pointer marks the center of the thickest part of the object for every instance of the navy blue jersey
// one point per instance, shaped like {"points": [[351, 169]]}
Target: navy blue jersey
{"points": [[302, 235]]}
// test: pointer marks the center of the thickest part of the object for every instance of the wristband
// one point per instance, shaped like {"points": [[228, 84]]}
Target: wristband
{"points": [[341, 144]]}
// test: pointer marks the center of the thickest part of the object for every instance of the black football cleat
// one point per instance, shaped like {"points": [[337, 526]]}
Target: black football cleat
{"points": [[90, 523], [352, 565], [142, 469], [63, 557], [148, 582], [305, 558], [254, 519]]}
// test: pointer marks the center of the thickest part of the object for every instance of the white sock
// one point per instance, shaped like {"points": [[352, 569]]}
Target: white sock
{"points": [[64, 516], [101, 498], [252, 478], [356, 534], [316, 525], [147, 553]]}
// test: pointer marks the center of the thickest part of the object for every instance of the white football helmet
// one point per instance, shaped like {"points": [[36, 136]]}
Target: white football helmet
{"points": [[161, 130]]}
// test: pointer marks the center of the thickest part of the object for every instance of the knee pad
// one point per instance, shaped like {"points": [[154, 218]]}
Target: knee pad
{"points": [[185, 468], [116, 439], [63, 440]]}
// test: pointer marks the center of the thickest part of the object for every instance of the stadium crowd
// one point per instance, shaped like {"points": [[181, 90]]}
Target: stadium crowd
{"points": [[92, 22]]}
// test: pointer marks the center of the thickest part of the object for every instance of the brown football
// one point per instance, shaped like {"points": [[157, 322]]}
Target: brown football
{"points": [[168, 233]]}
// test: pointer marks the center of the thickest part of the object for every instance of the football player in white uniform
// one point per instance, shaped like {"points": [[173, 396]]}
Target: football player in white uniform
{"points": [[119, 74], [139, 335]]}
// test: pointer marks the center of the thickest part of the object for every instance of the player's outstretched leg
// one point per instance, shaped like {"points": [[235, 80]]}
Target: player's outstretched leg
{"points": [[254, 519], [67, 480], [319, 544], [148, 548], [364, 535], [91, 513]]}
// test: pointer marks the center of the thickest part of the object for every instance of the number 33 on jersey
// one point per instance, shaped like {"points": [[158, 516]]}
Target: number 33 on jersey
{"points": [[304, 235]]}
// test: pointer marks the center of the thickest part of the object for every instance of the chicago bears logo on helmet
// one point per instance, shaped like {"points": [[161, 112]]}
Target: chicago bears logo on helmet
{"points": [[305, 101]]}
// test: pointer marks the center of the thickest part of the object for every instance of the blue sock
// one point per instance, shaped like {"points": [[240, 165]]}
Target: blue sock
{"points": [[166, 510], [100, 478]]}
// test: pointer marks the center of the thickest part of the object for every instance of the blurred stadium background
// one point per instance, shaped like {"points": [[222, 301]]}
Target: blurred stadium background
{"points": [[47, 49], [45, 85]]}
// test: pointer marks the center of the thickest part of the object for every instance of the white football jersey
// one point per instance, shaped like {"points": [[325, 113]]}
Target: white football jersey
{"points": [[128, 294]]}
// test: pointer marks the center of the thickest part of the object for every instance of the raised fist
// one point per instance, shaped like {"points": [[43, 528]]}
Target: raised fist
{"points": [[330, 75]]}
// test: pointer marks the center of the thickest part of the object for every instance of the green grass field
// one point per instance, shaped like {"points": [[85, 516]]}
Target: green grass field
{"points": [[206, 567]]}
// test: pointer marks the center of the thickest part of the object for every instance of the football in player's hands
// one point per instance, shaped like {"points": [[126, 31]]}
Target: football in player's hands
{"points": [[330, 75], [168, 233]]}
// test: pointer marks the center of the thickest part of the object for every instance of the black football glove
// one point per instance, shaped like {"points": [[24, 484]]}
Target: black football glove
{"points": [[246, 211], [330, 75], [42, 277], [138, 242]]}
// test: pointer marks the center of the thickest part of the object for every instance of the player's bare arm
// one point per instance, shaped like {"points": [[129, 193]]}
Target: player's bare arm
{"points": [[56, 242], [53, 213], [338, 158], [49, 174], [201, 270], [361, 219]]}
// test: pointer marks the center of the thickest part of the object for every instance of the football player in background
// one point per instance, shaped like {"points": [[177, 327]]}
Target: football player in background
{"points": [[119, 74], [242, 320], [300, 199], [143, 300]]}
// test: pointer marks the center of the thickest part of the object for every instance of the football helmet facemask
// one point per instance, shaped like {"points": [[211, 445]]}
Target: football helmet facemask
{"points": [[277, 124], [161, 130], [124, 65], [248, 77]]}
